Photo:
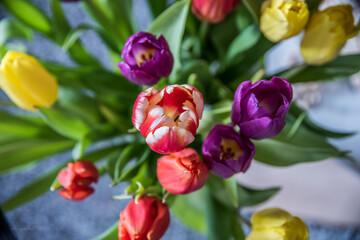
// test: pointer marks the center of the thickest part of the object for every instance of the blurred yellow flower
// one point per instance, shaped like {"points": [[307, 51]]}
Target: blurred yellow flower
{"points": [[326, 34], [280, 20], [27, 82], [277, 224]]}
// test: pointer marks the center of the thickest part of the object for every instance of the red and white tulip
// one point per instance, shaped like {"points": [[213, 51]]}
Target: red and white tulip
{"points": [[169, 118]]}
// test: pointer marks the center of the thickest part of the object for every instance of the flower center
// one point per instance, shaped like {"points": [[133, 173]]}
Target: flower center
{"points": [[144, 55], [229, 149]]}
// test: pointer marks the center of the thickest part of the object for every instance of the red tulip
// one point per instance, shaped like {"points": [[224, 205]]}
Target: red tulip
{"points": [[147, 219], [213, 11], [168, 119], [182, 172], [76, 179]]}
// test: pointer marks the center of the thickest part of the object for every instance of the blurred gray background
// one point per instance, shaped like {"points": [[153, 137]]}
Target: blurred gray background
{"points": [[326, 194]]}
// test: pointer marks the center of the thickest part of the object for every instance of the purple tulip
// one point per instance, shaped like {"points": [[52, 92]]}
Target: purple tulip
{"points": [[259, 109], [226, 151], [147, 59]]}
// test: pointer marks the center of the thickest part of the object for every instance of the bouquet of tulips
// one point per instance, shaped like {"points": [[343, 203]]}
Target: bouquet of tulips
{"points": [[185, 108]]}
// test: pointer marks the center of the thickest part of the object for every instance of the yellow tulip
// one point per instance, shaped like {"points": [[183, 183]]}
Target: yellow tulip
{"points": [[277, 224], [281, 19], [27, 83], [326, 34]]}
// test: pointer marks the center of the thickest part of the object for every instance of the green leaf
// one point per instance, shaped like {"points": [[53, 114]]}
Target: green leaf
{"points": [[156, 7], [79, 148], [10, 28], [129, 153], [292, 146], [130, 172], [247, 65], [28, 14], [254, 8], [243, 17], [75, 35], [122, 16], [231, 189], [111, 162], [23, 152], [236, 228], [340, 68], [245, 40], [217, 219], [171, 24], [296, 112], [221, 192], [79, 54], [248, 197], [279, 153], [42, 183], [110, 234], [64, 123], [223, 34], [190, 209], [79, 104], [115, 20], [21, 126], [59, 23]]}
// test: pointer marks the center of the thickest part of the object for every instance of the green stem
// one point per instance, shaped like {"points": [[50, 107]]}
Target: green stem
{"points": [[165, 197], [203, 31], [217, 111], [296, 125]]}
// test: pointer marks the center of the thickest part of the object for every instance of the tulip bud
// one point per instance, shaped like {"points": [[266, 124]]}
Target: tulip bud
{"points": [[281, 19], [259, 109], [146, 219], [227, 152], [76, 179], [275, 223], [169, 118], [147, 59], [327, 33], [26, 82], [182, 172], [213, 11]]}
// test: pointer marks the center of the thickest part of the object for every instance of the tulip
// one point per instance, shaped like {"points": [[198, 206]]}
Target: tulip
{"points": [[227, 152], [182, 172], [327, 33], [76, 179], [275, 223], [168, 119], [26, 82], [259, 109], [281, 19], [147, 59], [146, 219], [213, 11]]}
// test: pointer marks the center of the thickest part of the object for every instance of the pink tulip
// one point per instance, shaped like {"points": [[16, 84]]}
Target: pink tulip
{"points": [[169, 118]]}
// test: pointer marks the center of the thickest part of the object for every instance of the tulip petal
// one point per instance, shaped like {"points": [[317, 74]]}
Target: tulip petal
{"points": [[76, 195], [161, 222], [241, 91], [284, 86], [45, 90], [86, 169], [10, 84], [140, 109], [173, 175], [261, 128], [67, 176]]}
